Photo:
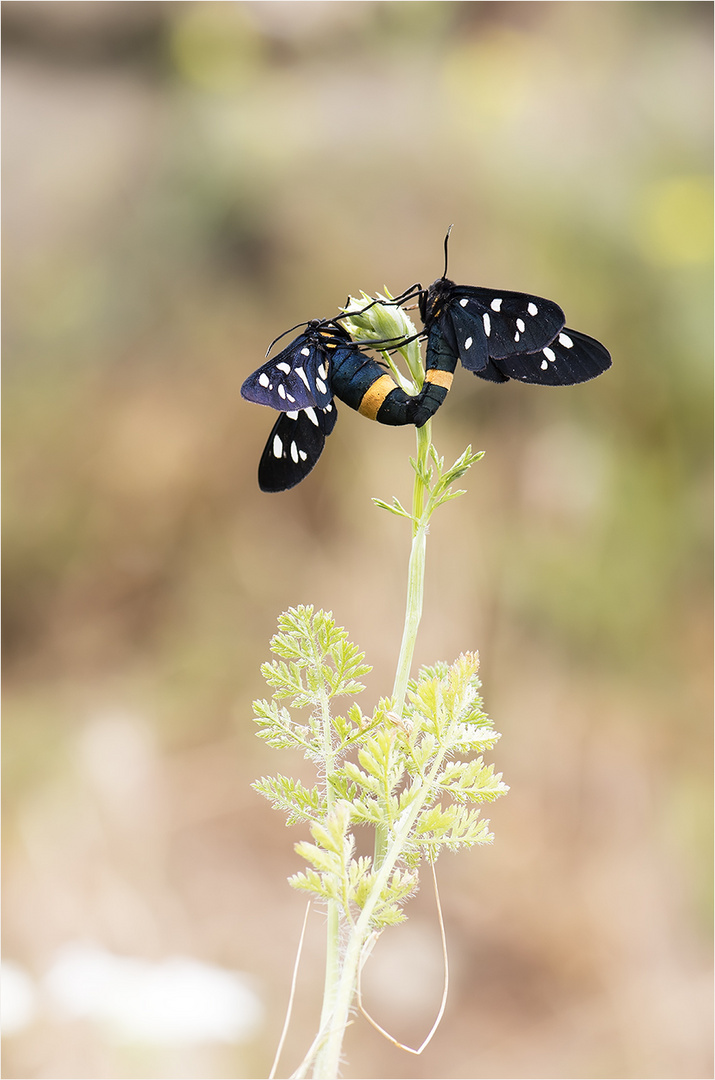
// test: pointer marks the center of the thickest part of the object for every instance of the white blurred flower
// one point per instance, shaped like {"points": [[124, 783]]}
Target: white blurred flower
{"points": [[19, 998], [179, 1000]]}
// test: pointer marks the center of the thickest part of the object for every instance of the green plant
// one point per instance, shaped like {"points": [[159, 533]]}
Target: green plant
{"points": [[407, 770]]}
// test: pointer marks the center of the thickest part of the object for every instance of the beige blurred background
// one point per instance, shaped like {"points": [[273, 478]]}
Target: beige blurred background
{"points": [[182, 182]]}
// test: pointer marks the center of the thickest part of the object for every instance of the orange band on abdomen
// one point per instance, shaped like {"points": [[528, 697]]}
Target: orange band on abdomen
{"points": [[375, 395], [439, 378]]}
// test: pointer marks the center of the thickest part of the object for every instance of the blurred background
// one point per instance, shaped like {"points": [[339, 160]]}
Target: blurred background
{"points": [[182, 182]]}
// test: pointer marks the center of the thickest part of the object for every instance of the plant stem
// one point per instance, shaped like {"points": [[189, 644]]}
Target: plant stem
{"points": [[341, 972], [415, 592], [328, 1056], [332, 955], [340, 985], [416, 570]]}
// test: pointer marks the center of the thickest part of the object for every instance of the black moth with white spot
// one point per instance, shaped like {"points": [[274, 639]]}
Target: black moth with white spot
{"points": [[501, 335], [478, 325], [302, 382], [297, 382], [498, 335]]}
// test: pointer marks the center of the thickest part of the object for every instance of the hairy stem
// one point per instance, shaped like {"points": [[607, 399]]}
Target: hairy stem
{"points": [[416, 569], [415, 592], [332, 956], [328, 1056]]}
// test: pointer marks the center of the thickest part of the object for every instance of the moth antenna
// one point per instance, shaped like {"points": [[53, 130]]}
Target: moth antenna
{"points": [[292, 328], [446, 241]]}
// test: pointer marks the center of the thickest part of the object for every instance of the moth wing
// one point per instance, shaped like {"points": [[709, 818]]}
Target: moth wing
{"points": [[468, 333], [294, 446], [570, 358], [511, 322], [492, 374], [297, 378]]}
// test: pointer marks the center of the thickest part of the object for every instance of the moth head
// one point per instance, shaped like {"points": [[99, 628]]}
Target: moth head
{"points": [[432, 301]]}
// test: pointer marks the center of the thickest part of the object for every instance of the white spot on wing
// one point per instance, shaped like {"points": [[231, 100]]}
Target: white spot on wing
{"points": [[285, 368], [305, 352], [277, 446], [464, 302], [310, 413], [520, 325], [321, 385], [301, 375], [566, 341], [549, 354], [468, 343], [532, 309], [322, 372], [487, 324], [302, 454], [544, 365], [517, 335], [294, 452], [263, 379], [496, 304], [281, 391], [293, 415]]}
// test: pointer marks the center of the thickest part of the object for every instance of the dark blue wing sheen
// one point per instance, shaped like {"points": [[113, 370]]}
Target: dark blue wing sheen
{"points": [[298, 377], [570, 358], [294, 446]]}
